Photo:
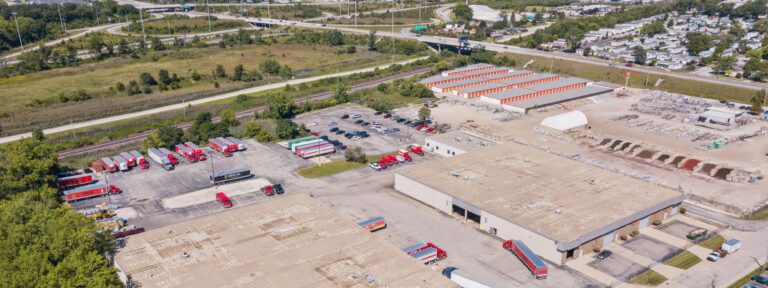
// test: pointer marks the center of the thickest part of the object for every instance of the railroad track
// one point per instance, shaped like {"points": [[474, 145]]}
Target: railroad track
{"points": [[240, 114]]}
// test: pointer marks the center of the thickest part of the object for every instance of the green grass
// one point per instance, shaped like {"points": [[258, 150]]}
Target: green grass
{"points": [[335, 167], [684, 260], [648, 278], [602, 72], [761, 214], [713, 242], [182, 24], [746, 278]]}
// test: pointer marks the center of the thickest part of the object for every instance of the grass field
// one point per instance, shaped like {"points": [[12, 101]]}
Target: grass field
{"points": [[401, 18], [684, 260], [713, 242], [334, 167], [744, 280], [637, 80], [179, 24], [648, 278], [41, 89], [758, 215]]}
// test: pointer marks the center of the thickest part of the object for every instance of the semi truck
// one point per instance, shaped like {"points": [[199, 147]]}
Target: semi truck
{"points": [[307, 144], [404, 153], [425, 252], [537, 267], [198, 152], [316, 150], [186, 153], [109, 165], [293, 142], [374, 224], [230, 145], [458, 277], [143, 164], [416, 149], [122, 165], [73, 181], [218, 146], [240, 144], [230, 175], [160, 158], [93, 190], [128, 157], [169, 154]]}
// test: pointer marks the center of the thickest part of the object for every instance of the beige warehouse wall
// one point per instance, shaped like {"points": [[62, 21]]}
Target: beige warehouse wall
{"points": [[423, 193], [442, 149], [506, 230]]}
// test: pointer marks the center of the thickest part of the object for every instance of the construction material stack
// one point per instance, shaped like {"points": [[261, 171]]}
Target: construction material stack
{"points": [[89, 191], [426, 253], [74, 181], [537, 267], [198, 152], [186, 153], [160, 158], [143, 164]]}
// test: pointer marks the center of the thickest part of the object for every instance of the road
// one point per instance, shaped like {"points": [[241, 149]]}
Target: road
{"points": [[167, 108], [240, 114]]}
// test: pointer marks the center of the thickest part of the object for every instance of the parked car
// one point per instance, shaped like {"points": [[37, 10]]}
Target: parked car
{"points": [[333, 123], [387, 116], [324, 137], [377, 113], [334, 129], [345, 116], [356, 138], [407, 122], [752, 285], [604, 254], [349, 135], [377, 122], [395, 130], [355, 116], [365, 124], [359, 121], [401, 120], [339, 132], [760, 279], [374, 166]]}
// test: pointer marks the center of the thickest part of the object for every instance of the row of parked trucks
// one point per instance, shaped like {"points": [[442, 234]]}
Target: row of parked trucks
{"points": [[120, 162], [310, 146], [403, 155], [425, 252]]}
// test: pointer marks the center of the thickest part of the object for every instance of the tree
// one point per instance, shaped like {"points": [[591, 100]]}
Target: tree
{"points": [[219, 72], [153, 141], [280, 106], [723, 64], [424, 113], [269, 66], [335, 38], [462, 13], [164, 77], [37, 134], [341, 94], [228, 118], [254, 130], [243, 37], [287, 129], [157, 45], [27, 164], [147, 79], [123, 48], [355, 154], [372, 40], [640, 55], [697, 42], [573, 38], [238, 74], [203, 128], [758, 101], [196, 76], [656, 27]]}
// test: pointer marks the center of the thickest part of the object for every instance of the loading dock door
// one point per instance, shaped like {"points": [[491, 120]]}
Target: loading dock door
{"points": [[608, 238], [643, 222]]}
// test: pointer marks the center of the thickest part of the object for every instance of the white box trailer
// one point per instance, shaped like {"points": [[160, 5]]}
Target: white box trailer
{"points": [[317, 151], [160, 158], [122, 165], [731, 245], [305, 144], [457, 277], [240, 143]]}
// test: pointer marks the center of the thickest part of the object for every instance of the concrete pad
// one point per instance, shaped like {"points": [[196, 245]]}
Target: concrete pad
{"points": [[699, 251], [668, 271], [581, 265], [676, 228], [665, 237], [631, 255], [617, 267], [696, 222], [208, 194], [127, 213], [651, 248]]}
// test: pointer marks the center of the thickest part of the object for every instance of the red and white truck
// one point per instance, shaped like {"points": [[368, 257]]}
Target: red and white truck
{"points": [[426, 252], [186, 153], [198, 152], [128, 157], [75, 180], [219, 146], [537, 267], [374, 224], [140, 160], [315, 150], [416, 149], [404, 153], [108, 164], [240, 144], [170, 156], [94, 190], [231, 145], [122, 165], [160, 158]]}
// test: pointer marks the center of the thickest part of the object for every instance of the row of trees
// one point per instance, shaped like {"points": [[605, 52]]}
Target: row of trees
{"points": [[202, 129], [44, 243]]}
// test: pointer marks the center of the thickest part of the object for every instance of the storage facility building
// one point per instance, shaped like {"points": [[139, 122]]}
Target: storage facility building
{"points": [[524, 106], [530, 79], [454, 143], [561, 208], [287, 242], [565, 121], [485, 13]]}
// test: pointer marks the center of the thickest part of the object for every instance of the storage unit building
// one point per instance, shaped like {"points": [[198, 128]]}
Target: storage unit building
{"points": [[561, 208], [524, 106], [439, 80], [476, 91]]}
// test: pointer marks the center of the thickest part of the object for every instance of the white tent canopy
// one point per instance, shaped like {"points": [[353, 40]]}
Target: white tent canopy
{"points": [[565, 121]]}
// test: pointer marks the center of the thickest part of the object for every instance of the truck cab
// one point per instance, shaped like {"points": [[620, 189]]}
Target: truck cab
{"points": [[268, 190], [223, 200]]}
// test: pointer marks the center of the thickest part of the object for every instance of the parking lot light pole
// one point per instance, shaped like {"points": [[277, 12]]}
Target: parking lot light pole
{"points": [[213, 183]]}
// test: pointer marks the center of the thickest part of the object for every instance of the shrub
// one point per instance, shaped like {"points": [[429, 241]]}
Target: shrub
{"points": [[634, 233], [623, 237], [682, 210], [656, 222]]}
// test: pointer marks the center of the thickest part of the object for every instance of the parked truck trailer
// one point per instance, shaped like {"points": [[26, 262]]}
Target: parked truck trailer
{"points": [[122, 165], [219, 146], [128, 157], [140, 160], [374, 224], [109, 164], [198, 152], [240, 143], [537, 267], [230, 175], [74, 181], [230, 145], [160, 158], [169, 154], [425, 252], [293, 142], [316, 150], [458, 277], [186, 153], [93, 190]]}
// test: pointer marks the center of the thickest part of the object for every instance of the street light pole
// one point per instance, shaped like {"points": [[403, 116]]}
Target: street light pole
{"points": [[209, 15], [18, 31]]}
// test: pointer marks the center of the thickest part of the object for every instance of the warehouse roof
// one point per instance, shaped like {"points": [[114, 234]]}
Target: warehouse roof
{"points": [[481, 72], [510, 73], [565, 121], [559, 97], [461, 140], [509, 93], [557, 84], [482, 87], [561, 199], [286, 242], [468, 67], [453, 84]]}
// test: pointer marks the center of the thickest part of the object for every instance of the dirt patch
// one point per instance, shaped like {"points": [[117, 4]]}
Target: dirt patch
{"points": [[663, 157], [677, 160], [707, 168], [646, 154], [722, 173]]}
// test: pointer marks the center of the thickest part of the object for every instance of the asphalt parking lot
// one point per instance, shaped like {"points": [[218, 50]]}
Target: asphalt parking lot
{"points": [[677, 228], [377, 143], [651, 248], [617, 266]]}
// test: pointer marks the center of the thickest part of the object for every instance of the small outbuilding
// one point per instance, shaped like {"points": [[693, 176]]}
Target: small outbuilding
{"points": [[564, 122]]}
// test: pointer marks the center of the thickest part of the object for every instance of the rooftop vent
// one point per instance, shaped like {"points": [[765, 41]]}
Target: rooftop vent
{"points": [[557, 211], [455, 173]]}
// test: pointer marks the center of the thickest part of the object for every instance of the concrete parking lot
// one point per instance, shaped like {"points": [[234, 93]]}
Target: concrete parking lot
{"points": [[651, 248], [677, 228], [617, 266], [377, 143]]}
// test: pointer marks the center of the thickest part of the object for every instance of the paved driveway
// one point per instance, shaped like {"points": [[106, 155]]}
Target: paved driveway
{"points": [[617, 266], [651, 248]]}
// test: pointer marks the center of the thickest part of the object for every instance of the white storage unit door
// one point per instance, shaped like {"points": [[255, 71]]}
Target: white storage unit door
{"points": [[608, 238], [643, 222]]}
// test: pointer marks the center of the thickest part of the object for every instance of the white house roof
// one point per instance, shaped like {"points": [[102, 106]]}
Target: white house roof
{"points": [[565, 121]]}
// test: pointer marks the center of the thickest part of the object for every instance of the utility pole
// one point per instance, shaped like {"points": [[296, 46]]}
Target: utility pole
{"points": [[209, 15], [143, 34], [18, 31], [393, 29], [61, 18], [169, 25], [356, 13]]}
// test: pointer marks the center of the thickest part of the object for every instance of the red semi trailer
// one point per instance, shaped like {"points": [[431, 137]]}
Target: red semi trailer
{"points": [[219, 146], [426, 252], [90, 191], [198, 152], [232, 146], [186, 152], [170, 156], [537, 267], [76, 180], [143, 164]]}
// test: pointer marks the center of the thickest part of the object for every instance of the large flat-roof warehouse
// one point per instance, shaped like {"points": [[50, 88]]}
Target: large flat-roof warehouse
{"points": [[286, 242], [560, 207]]}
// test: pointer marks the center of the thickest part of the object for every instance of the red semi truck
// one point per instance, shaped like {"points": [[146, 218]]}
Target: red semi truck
{"points": [[403, 153], [416, 149], [76, 180], [537, 267], [219, 146], [186, 152], [198, 152], [170, 156], [426, 252], [90, 191], [232, 146], [143, 164]]}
